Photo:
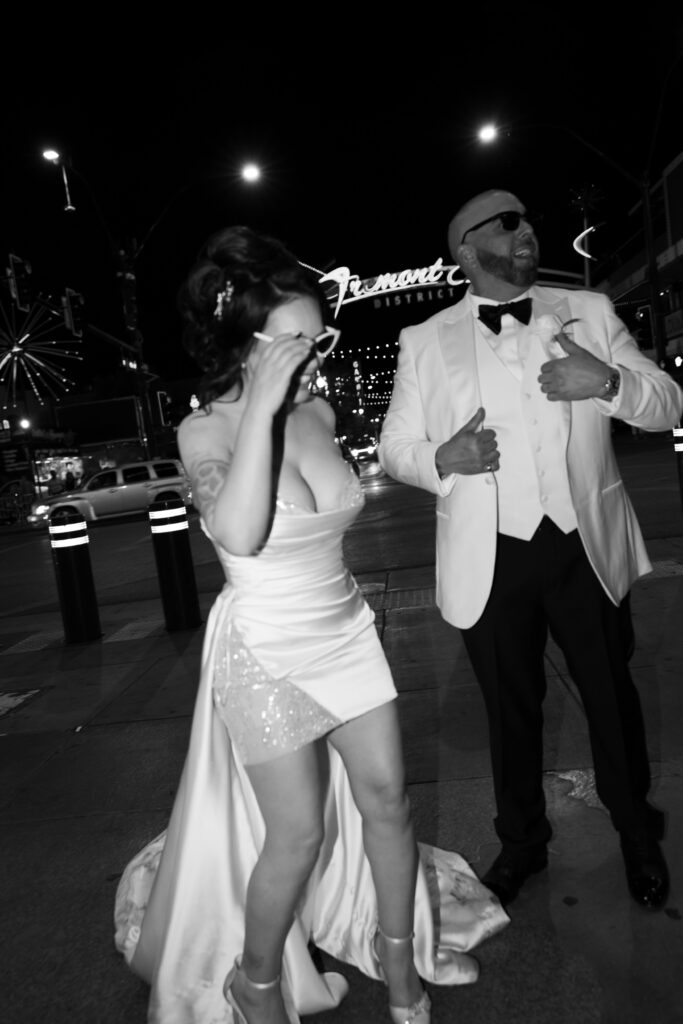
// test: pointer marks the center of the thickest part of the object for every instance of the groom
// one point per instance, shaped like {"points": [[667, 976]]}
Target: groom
{"points": [[502, 407]]}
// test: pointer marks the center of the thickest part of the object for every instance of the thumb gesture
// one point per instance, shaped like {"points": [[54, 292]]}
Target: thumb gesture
{"points": [[473, 424], [470, 450], [568, 344], [579, 376]]}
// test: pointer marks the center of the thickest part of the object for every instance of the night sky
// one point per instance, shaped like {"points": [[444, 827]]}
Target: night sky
{"points": [[365, 136]]}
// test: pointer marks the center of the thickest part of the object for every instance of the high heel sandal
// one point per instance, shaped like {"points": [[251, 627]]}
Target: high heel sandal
{"points": [[420, 1011], [256, 985]]}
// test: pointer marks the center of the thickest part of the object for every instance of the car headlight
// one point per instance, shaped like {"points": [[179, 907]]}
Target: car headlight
{"points": [[40, 510]]}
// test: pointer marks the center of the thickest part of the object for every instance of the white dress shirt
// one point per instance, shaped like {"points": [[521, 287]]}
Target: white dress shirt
{"points": [[532, 480]]}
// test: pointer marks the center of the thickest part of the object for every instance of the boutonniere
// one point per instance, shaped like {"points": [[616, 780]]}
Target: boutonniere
{"points": [[550, 328]]}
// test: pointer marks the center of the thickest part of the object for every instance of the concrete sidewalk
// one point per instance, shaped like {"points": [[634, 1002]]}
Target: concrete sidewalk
{"points": [[93, 740]]}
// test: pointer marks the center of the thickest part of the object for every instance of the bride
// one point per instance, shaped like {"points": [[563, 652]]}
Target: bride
{"points": [[291, 825]]}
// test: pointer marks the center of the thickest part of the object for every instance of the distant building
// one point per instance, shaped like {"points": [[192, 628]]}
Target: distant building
{"points": [[624, 275]]}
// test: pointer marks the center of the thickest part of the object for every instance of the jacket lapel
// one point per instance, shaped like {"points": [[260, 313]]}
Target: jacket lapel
{"points": [[545, 306], [546, 319], [458, 347], [458, 350]]}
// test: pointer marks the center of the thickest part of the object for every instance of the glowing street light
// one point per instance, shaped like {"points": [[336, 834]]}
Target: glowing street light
{"points": [[251, 172], [487, 133], [54, 157]]}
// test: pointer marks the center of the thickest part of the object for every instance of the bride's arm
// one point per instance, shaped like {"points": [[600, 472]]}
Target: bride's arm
{"points": [[229, 458]]}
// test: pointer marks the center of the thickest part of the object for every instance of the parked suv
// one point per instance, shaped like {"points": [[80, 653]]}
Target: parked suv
{"points": [[120, 491]]}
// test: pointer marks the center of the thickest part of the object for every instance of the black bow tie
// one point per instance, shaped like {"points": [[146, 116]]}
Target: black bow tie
{"points": [[490, 315]]}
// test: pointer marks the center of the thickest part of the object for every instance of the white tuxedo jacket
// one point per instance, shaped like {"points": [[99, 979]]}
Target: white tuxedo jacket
{"points": [[436, 391]]}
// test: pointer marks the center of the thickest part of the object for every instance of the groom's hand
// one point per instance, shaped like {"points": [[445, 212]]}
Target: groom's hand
{"points": [[577, 376], [470, 450]]}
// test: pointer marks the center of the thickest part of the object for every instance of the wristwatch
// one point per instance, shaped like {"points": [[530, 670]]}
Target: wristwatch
{"points": [[610, 388]]}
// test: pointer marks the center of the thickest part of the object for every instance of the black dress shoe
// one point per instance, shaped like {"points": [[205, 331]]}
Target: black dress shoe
{"points": [[646, 871], [509, 872]]}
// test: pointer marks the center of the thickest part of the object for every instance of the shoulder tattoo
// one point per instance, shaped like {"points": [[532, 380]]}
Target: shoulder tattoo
{"points": [[207, 477]]}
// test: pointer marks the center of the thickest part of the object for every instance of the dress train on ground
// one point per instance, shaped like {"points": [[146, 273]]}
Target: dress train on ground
{"points": [[179, 913]]}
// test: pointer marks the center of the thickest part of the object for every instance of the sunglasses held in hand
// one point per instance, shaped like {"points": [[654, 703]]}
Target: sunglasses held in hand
{"points": [[323, 343]]}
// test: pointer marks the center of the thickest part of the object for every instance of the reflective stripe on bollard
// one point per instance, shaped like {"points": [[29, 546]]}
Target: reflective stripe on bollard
{"points": [[162, 521], [677, 433], [77, 599], [175, 568]]}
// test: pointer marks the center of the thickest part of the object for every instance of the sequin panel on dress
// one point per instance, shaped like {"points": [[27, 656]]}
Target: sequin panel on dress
{"points": [[265, 717], [352, 495]]}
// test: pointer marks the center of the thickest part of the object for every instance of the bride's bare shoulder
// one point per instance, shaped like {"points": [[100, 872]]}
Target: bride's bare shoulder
{"points": [[209, 418], [208, 429]]}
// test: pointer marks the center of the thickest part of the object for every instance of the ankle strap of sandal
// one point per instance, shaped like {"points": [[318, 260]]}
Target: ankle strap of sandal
{"points": [[396, 942], [260, 986]]}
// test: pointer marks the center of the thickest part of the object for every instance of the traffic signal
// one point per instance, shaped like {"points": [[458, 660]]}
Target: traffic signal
{"points": [[164, 403], [72, 309], [644, 317], [18, 274]]}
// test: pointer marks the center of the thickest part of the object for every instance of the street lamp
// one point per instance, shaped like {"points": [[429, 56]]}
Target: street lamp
{"points": [[55, 158], [489, 133], [644, 187], [125, 256], [251, 172], [127, 286]]}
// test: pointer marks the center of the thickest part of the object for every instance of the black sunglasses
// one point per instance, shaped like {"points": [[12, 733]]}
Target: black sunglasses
{"points": [[509, 221]]}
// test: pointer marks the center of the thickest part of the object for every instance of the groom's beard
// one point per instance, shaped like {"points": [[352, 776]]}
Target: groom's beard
{"points": [[506, 269]]}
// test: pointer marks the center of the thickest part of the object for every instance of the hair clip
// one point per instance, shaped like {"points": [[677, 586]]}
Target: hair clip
{"points": [[223, 298]]}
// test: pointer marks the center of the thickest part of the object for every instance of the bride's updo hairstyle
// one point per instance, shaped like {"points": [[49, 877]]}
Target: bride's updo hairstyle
{"points": [[240, 276]]}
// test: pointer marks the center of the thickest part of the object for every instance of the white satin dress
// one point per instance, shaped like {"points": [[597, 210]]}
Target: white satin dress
{"points": [[290, 652]]}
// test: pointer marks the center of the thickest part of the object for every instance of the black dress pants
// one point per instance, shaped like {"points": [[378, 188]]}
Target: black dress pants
{"points": [[547, 583]]}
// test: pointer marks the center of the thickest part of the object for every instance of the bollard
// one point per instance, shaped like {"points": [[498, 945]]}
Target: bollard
{"points": [[77, 599], [678, 452], [171, 538]]}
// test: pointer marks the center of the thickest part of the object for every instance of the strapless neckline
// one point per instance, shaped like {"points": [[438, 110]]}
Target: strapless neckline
{"points": [[350, 497]]}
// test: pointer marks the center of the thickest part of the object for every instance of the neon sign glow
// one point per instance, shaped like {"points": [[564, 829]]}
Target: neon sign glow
{"points": [[576, 244], [352, 288]]}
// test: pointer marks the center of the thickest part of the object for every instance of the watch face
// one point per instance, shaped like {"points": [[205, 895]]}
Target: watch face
{"points": [[612, 383]]}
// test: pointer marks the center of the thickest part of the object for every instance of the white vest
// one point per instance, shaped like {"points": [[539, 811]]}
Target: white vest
{"points": [[532, 480]]}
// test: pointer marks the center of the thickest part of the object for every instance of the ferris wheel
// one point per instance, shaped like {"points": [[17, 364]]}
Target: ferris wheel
{"points": [[32, 357]]}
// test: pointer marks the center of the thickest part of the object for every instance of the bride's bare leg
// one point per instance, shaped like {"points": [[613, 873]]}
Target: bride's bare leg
{"points": [[289, 793], [371, 749]]}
